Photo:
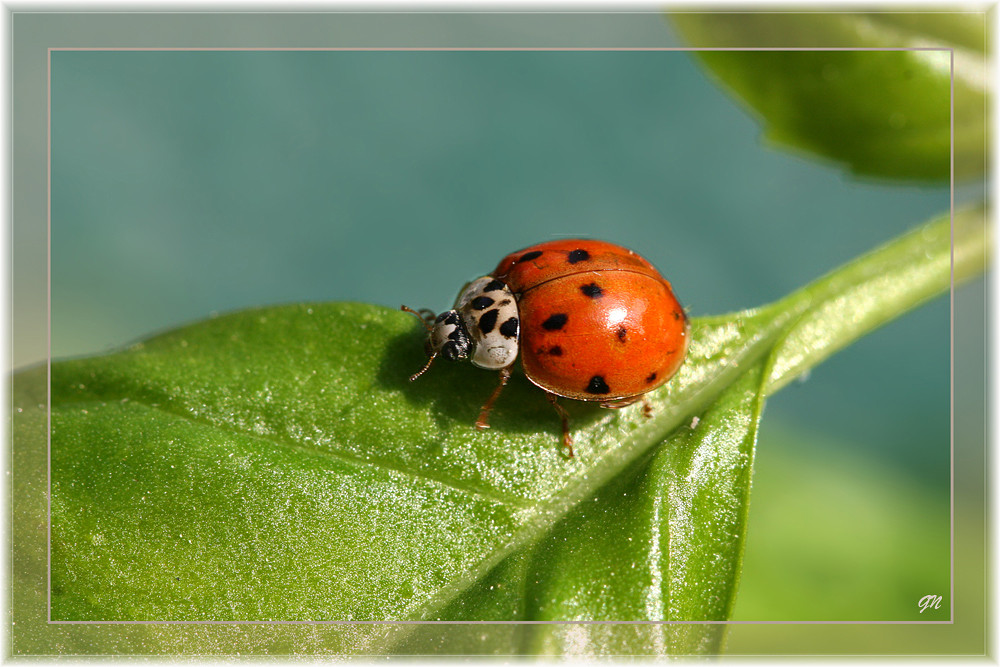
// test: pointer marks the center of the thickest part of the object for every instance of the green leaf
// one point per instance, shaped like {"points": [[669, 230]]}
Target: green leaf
{"points": [[881, 113], [660, 542], [276, 464]]}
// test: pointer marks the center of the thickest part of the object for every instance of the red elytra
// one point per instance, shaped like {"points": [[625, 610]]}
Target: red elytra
{"points": [[597, 323]]}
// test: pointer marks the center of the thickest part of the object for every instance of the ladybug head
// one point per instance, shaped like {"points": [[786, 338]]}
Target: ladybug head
{"points": [[447, 336]]}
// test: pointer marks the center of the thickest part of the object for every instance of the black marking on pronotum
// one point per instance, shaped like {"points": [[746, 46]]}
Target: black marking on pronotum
{"points": [[578, 256], [528, 256], [505, 302], [593, 290], [493, 285], [598, 386], [651, 377], [482, 302], [509, 328], [448, 317], [457, 346], [488, 320], [555, 322], [622, 332]]}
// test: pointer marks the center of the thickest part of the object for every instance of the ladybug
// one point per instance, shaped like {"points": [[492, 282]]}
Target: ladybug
{"points": [[592, 321]]}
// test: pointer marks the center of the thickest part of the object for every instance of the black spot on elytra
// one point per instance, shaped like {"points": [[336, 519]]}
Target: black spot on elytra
{"points": [[509, 328], [555, 322], [488, 320], [493, 285], [578, 256], [482, 303], [592, 290], [528, 256], [555, 351], [597, 385], [651, 377], [677, 315], [622, 332]]}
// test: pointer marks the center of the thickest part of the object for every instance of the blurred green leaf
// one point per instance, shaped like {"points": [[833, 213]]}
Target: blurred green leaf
{"points": [[882, 113], [276, 464], [900, 536]]}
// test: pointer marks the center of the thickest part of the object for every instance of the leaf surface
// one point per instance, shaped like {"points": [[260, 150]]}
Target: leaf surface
{"points": [[276, 465]]}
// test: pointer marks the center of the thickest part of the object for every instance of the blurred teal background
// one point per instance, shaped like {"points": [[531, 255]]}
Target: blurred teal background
{"points": [[190, 183], [187, 183]]}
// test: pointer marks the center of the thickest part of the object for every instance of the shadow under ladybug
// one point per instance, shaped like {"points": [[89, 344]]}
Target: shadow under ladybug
{"points": [[453, 394]]}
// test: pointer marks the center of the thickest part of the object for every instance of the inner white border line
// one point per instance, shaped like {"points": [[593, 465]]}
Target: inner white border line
{"points": [[951, 308], [951, 53], [48, 340], [497, 48], [500, 622]]}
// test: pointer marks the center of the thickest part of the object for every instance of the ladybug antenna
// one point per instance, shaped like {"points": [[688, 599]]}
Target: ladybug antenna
{"points": [[430, 360], [424, 316]]}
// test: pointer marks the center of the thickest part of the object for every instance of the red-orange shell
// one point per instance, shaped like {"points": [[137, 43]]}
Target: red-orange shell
{"points": [[598, 322]]}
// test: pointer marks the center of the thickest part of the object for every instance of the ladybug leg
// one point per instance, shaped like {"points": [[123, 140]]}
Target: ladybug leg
{"points": [[484, 414], [621, 402], [647, 407], [567, 442]]}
